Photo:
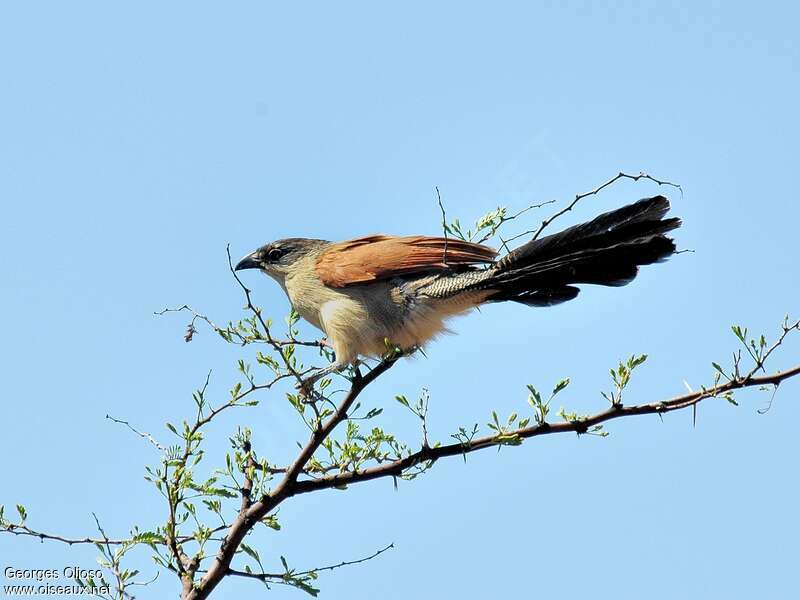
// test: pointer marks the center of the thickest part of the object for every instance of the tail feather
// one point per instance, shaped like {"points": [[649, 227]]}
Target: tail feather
{"points": [[607, 250]]}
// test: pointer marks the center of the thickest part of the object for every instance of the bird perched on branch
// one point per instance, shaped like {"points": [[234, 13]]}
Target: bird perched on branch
{"points": [[370, 291]]}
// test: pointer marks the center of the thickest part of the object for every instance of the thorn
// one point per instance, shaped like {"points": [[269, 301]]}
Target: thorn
{"points": [[694, 406]]}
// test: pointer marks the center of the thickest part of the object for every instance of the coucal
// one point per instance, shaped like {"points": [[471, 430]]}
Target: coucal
{"points": [[368, 290]]}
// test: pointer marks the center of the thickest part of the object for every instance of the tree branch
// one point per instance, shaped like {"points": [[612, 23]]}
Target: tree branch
{"points": [[142, 434], [24, 530], [344, 563], [396, 468], [242, 341], [251, 515], [359, 457], [594, 192]]}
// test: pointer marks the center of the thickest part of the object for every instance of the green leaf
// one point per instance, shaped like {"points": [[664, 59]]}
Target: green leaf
{"points": [[147, 537], [251, 552], [535, 397], [211, 491], [271, 521], [635, 361], [22, 513], [560, 386]]}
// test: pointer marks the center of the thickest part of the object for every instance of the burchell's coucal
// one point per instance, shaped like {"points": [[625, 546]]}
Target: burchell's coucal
{"points": [[368, 290]]}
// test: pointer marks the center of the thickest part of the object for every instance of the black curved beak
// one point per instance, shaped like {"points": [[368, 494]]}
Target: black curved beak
{"points": [[248, 262]]}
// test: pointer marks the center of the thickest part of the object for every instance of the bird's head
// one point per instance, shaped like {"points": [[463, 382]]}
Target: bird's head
{"points": [[278, 259]]}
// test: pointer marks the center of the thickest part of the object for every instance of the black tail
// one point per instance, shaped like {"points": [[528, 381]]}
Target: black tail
{"points": [[607, 250]]}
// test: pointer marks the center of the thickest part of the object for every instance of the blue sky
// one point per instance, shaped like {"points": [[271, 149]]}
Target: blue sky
{"points": [[136, 142]]}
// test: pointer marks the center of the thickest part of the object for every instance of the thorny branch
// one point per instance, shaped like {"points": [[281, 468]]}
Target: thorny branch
{"points": [[250, 516], [257, 503], [243, 341], [292, 485], [277, 345], [581, 425], [537, 232], [113, 561], [503, 220], [142, 434], [494, 220], [444, 224], [24, 530], [281, 576]]}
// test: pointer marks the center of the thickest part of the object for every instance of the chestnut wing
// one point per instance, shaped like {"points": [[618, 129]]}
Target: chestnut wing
{"points": [[381, 257]]}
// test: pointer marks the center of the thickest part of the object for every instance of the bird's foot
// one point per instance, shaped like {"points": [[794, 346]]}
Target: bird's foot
{"points": [[305, 388]]}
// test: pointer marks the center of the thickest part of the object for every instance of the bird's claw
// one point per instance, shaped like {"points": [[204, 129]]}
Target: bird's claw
{"points": [[305, 387]]}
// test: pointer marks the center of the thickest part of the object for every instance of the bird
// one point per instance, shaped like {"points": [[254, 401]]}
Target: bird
{"points": [[379, 291]]}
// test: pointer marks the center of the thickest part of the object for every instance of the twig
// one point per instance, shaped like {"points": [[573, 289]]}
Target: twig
{"points": [[143, 434], [582, 425], [257, 312], [113, 561], [444, 223], [287, 487], [24, 530], [344, 563], [504, 220], [595, 191], [196, 315]]}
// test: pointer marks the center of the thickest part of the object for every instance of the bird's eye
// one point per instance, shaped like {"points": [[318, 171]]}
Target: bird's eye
{"points": [[274, 254]]}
